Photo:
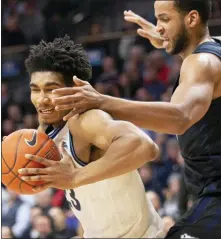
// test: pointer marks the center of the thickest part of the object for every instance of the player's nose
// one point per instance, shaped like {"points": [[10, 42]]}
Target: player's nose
{"points": [[159, 28], [42, 99]]}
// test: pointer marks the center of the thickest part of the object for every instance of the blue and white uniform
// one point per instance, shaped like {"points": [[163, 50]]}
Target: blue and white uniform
{"points": [[115, 207]]}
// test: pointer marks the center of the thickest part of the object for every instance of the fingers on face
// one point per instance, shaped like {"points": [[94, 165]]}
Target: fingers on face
{"points": [[69, 115], [68, 103], [78, 109], [74, 112], [67, 91], [63, 100], [65, 107], [67, 100]]}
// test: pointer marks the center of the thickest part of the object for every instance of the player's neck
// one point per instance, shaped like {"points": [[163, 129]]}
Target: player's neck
{"points": [[59, 124], [196, 41]]}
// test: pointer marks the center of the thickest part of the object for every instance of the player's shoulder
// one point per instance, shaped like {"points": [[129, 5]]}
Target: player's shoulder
{"points": [[201, 61], [200, 66], [94, 114], [93, 117], [89, 119]]}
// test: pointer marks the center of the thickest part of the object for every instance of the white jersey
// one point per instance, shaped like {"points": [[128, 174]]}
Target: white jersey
{"points": [[115, 207]]}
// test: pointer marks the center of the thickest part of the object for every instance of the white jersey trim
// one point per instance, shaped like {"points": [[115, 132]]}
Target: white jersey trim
{"points": [[74, 155]]}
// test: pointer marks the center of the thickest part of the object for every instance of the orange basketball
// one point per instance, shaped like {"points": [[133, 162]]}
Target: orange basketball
{"points": [[14, 148]]}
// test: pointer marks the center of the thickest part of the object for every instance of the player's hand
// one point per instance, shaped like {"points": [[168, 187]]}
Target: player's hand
{"points": [[78, 99], [56, 174], [147, 30]]}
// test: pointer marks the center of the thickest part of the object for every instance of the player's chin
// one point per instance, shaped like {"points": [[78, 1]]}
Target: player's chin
{"points": [[49, 119]]}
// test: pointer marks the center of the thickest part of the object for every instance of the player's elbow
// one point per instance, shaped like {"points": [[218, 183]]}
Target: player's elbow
{"points": [[151, 151], [181, 130], [182, 123], [147, 150]]}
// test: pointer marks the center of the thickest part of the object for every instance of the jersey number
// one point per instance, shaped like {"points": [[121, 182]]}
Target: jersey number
{"points": [[73, 202]]}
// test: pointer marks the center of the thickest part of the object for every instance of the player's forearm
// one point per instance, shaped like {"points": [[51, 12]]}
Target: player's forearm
{"points": [[125, 154], [161, 117]]}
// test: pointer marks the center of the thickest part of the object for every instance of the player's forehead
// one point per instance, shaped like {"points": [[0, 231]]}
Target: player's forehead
{"points": [[164, 8], [45, 78]]}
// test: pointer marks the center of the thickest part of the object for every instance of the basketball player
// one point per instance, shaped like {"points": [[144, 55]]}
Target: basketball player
{"points": [[99, 172], [194, 113]]}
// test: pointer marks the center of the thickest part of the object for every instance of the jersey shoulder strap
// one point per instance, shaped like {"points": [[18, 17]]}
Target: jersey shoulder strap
{"points": [[210, 47]]}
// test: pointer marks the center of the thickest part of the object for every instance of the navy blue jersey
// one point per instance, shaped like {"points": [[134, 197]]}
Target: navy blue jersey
{"points": [[201, 144]]}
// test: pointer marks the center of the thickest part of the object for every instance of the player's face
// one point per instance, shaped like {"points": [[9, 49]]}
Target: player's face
{"points": [[42, 84], [171, 26]]}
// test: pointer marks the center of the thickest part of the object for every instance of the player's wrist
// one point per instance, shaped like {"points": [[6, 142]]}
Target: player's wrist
{"points": [[76, 178], [103, 102]]}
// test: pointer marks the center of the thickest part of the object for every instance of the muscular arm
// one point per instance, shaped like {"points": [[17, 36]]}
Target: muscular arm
{"points": [[127, 147], [189, 102]]}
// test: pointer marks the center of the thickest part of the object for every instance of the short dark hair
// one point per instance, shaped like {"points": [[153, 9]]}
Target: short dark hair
{"points": [[203, 7], [63, 56]]}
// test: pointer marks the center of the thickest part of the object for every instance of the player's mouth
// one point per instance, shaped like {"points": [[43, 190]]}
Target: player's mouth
{"points": [[46, 111], [165, 42]]}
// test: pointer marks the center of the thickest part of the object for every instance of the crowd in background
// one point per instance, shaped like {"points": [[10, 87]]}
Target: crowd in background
{"points": [[135, 71]]}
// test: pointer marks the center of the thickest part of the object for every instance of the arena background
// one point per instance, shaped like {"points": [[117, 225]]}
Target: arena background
{"points": [[124, 65]]}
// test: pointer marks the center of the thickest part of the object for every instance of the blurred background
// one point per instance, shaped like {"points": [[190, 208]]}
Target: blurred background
{"points": [[124, 65]]}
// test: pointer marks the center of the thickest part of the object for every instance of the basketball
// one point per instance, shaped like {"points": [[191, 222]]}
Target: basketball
{"points": [[14, 148]]}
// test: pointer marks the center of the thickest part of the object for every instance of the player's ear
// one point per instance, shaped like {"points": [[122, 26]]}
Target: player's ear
{"points": [[192, 19]]}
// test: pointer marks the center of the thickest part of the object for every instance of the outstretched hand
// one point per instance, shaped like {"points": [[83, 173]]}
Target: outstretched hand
{"points": [[147, 30], [56, 174], [78, 99]]}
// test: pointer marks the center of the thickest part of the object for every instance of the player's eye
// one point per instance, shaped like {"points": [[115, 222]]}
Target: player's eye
{"points": [[49, 90], [34, 89], [165, 19]]}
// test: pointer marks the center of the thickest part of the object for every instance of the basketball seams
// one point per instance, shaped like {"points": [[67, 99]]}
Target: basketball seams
{"points": [[21, 182], [6, 165], [16, 175], [11, 168]]}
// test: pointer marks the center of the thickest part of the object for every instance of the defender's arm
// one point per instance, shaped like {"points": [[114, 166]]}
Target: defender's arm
{"points": [[188, 105]]}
